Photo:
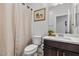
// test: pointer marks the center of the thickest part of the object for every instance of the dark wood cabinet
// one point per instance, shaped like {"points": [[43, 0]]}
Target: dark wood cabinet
{"points": [[50, 51], [55, 48]]}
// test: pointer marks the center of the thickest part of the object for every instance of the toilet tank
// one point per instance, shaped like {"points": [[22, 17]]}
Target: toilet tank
{"points": [[36, 39]]}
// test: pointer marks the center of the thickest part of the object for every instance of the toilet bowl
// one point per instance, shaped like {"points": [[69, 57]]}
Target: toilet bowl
{"points": [[31, 49]]}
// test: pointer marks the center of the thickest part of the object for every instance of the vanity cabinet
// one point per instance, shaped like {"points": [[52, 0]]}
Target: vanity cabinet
{"points": [[56, 48]]}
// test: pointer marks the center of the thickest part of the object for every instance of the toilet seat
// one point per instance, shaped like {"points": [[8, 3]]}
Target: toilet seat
{"points": [[31, 49]]}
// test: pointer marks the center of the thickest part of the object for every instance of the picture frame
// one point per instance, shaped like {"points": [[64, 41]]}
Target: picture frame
{"points": [[39, 15]]}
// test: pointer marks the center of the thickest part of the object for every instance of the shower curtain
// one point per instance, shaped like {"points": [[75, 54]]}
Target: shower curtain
{"points": [[23, 28], [6, 34], [2, 40], [15, 28]]}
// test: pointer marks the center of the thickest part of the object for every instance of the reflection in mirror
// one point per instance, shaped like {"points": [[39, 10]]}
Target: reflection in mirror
{"points": [[77, 18], [62, 18], [61, 24]]}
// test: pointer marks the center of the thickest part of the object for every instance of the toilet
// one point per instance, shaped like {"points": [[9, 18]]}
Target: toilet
{"points": [[31, 49]]}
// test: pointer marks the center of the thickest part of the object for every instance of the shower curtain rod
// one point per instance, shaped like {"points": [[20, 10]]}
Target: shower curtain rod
{"points": [[27, 6]]}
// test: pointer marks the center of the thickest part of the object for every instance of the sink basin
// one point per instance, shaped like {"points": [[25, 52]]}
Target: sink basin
{"points": [[67, 38], [64, 38], [57, 38]]}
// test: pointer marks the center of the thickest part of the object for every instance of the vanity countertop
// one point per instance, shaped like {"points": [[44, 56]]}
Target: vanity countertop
{"points": [[72, 40]]}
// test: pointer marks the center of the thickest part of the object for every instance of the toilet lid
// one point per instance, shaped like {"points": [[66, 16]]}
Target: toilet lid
{"points": [[31, 47]]}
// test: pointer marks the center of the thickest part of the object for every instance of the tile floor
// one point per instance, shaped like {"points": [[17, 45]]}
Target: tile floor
{"points": [[40, 52]]}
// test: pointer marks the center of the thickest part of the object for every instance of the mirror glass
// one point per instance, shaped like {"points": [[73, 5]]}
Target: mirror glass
{"points": [[77, 18], [63, 18]]}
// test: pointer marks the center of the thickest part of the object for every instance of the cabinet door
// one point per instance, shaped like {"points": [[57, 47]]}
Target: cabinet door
{"points": [[68, 53], [54, 52], [48, 51], [60, 52]]}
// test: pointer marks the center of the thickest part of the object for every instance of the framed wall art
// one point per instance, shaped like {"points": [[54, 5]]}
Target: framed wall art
{"points": [[39, 15]]}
